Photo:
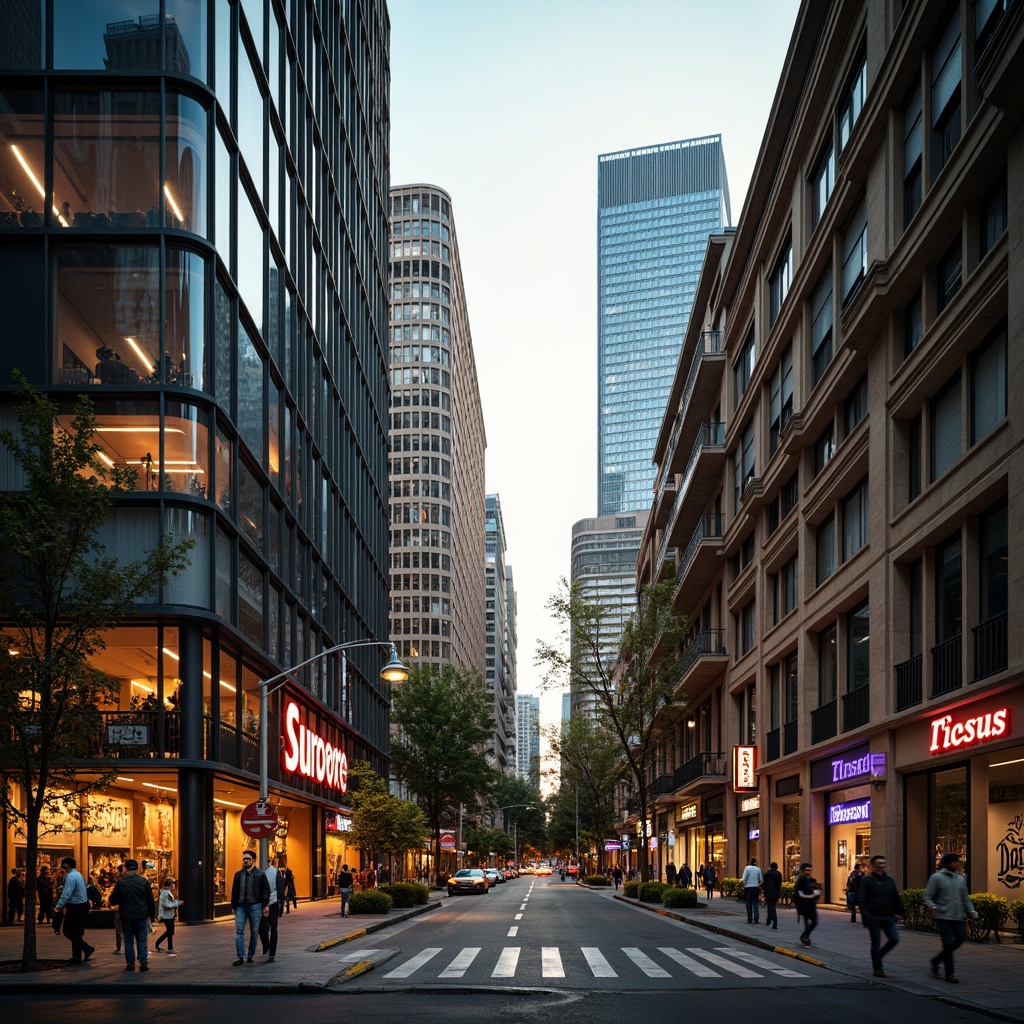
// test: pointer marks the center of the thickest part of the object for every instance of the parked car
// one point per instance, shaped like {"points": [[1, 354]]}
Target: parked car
{"points": [[494, 876], [468, 880], [573, 869], [544, 870]]}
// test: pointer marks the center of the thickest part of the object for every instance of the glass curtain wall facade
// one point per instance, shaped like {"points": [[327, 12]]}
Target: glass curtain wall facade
{"points": [[656, 207], [437, 441], [528, 738], [193, 222], [500, 617]]}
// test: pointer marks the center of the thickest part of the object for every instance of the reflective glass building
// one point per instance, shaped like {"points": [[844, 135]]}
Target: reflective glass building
{"points": [[656, 208], [193, 229]]}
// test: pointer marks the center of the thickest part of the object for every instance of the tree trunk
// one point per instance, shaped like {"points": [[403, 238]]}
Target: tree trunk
{"points": [[29, 950]]}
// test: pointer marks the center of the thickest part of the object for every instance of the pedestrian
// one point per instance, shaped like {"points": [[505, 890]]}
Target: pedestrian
{"points": [[670, 873], [852, 881], [371, 878], [44, 895], [167, 905], [345, 884], [772, 891], [133, 896], [617, 875], [806, 893], [709, 876], [948, 901], [268, 924], [289, 891], [752, 879], [250, 897], [92, 890], [15, 897], [686, 876], [74, 902], [118, 930], [880, 905]]}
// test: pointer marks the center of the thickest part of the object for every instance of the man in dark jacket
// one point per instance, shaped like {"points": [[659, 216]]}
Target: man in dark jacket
{"points": [[880, 905], [44, 895], [133, 896], [250, 900], [15, 897], [772, 892]]}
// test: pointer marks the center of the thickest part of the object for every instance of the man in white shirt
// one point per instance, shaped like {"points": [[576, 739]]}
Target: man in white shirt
{"points": [[752, 879], [268, 926], [74, 901]]}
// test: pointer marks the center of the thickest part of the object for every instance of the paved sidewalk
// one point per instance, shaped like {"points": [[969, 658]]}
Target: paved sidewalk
{"points": [[311, 956], [991, 974]]}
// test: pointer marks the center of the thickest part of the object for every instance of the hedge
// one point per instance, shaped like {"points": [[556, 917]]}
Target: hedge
{"points": [[651, 892], [731, 886], [1016, 909], [679, 897], [596, 880], [370, 901], [405, 894], [631, 890]]}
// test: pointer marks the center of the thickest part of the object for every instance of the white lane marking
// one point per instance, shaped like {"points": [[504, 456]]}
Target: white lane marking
{"points": [[688, 962], [457, 968], [506, 966], [720, 961], [597, 962], [757, 961], [645, 963], [518, 917], [414, 964], [523, 907], [512, 931], [551, 962]]}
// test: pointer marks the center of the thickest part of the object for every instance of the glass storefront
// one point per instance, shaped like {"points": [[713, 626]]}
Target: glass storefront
{"points": [[791, 848], [847, 839]]}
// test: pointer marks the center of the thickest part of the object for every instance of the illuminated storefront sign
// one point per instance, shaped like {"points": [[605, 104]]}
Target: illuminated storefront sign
{"points": [[687, 812], [948, 733], [754, 833], [751, 803], [612, 844], [839, 769], [308, 754], [335, 821], [744, 776], [851, 812]]}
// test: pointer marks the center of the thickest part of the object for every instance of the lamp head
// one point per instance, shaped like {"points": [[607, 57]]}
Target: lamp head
{"points": [[394, 671]]}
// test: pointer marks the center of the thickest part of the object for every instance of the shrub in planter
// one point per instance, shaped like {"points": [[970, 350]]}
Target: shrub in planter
{"points": [[405, 894], [992, 911], [370, 901], [915, 914], [679, 897], [631, 890], [731, 886], [786, 892], [596, 880], [1016, 909], [650, 892]]}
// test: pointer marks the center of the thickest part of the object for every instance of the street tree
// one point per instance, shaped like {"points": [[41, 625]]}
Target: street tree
{"points": [[522, 811], [60, 594], [633, 686], [443, 717], [485, 841]]}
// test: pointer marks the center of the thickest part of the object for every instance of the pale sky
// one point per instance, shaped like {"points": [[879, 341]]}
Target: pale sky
{"points": [[506, 106]]}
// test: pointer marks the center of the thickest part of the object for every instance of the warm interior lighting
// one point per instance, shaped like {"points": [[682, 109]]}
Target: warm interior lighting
{"points": [[227, 686], [1003, 764], [104, 457], [35, 181], [142, 355], [143, 686], [155, 785], [174, 205], [227, 803], [170, 654], [124, 778]]}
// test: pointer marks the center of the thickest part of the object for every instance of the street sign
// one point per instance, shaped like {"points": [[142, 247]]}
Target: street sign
{"points": [[447, 842], [259, 820]]}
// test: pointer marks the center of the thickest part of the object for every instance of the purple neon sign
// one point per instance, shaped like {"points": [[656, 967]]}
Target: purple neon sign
{"points": [[850, 812]]}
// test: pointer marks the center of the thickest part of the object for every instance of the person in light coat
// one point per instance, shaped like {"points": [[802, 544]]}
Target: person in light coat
{"points": [[167, 905], [949, 903]]}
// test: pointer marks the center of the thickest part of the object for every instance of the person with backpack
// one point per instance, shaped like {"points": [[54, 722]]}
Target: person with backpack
{"points": [[345, 885]]}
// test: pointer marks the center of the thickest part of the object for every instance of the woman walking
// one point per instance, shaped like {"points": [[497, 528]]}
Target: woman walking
{"points": [[166, 909]]}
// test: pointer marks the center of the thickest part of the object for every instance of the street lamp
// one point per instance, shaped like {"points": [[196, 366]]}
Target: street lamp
{"points": [[392, 672], [515, 824]]}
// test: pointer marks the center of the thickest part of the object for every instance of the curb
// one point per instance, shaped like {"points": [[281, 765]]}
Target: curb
{"points": [[359, 933]]}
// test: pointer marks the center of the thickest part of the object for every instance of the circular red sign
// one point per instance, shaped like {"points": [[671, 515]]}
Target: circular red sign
{"points": [[447, 842], [259, 820]]}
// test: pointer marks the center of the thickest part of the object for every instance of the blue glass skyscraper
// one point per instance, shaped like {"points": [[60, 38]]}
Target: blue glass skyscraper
{"points": [[656, 207]]}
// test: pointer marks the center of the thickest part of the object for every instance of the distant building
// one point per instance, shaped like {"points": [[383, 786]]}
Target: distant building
{"points": [[528, 738], [500, 619]]}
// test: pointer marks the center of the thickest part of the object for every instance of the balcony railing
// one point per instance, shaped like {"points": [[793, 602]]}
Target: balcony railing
{"points": [[773, 745], [662, 784], [909, 691], [990, 646], [856, 708], [706, 765], [789, 737], [706, 642], [947, 670], [823, 722], [709, 528]]}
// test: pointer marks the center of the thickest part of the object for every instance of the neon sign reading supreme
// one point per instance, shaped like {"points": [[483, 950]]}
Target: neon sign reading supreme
{"points": [[310, 755], [949, 735]]}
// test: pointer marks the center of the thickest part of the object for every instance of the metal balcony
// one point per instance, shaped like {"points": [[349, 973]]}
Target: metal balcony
{"points": [[773, 745], [705, 771], [699, 560], [990, 647], [856, 708], [790, 734], [909, 691], [947, 666], [823, 722], [703, 660]]}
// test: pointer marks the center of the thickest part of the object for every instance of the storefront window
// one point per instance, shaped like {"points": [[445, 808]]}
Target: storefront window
{"points": [[21, 161], [949, 815], [791, 839]]}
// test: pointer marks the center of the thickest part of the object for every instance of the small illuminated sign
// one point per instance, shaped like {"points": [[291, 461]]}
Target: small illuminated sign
{"points": [[950, 734], [851, 812], [754, 833], [752, 803], [687, 812], [744, 776]]}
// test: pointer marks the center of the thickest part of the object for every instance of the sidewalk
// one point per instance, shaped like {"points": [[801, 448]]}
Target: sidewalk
{"points": [[311, 956], [991, 973]]}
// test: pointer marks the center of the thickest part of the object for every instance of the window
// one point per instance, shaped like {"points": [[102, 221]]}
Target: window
{"points": [[824, 448], [792, 683], [993, 215], [744, 464], [827, 669], [855, 521], [822, 182], [988, 15], [744, 556], [912, 148], [855, 252], [856, 405], [790, 494], [772, 514], [748, 715], [821, 327], [988, 385], [948, 592], [774, 695], [746, 629], [858, 638], [993, 567], [785, 590], [949, 275], [745, 367], [946, 441], [825, 550], [915, 641], [913, 325], [914, 457], [853, 101], [779, 282], [945, 94], [781, 398]]}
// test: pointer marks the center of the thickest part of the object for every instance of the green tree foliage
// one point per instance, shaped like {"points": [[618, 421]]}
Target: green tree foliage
{"points": [[636, 696], [523, 811], [59, 595], [443, 716], [484, 841]]}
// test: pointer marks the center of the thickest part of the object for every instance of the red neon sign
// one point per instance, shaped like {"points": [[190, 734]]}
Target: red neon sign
{"points": [[949, 735], [310, 755], [744, 763]]}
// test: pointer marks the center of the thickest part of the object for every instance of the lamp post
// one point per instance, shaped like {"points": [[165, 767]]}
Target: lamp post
{"points": [[392, 672]]}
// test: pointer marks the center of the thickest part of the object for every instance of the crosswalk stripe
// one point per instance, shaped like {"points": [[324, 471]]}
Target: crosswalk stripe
{"points": [[551, 962], [701, 970], [414, 964], [645, 963], [506, 966], [597, 962], [757, 961], [457, 968], [720, 961]]}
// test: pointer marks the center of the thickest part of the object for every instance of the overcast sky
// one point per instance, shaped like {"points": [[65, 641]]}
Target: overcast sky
{"points": [[506, 106]]}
